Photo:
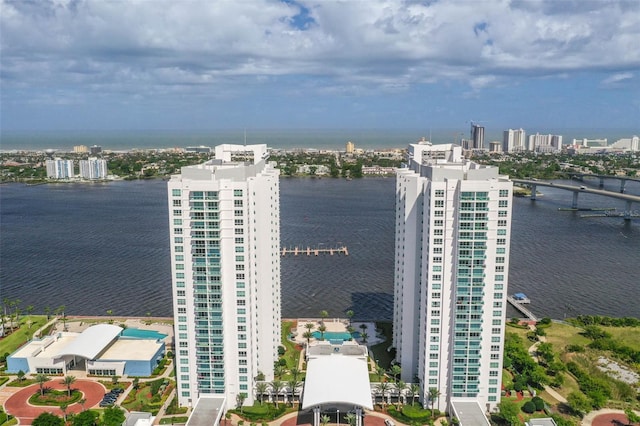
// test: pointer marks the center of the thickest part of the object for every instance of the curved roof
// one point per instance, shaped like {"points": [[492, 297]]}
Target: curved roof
{"points": [[92, 341], [337, 379]]}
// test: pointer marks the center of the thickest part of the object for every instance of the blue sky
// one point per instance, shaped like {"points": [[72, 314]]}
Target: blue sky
{"points": [[199, 65]]}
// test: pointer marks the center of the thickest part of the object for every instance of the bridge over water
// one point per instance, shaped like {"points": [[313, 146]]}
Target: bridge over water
{"points": [[623, 179], [629, 199]]}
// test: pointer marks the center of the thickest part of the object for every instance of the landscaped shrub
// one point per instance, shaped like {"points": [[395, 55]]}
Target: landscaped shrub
{"points": [[155, 386], [539, 403], [529, 407]]}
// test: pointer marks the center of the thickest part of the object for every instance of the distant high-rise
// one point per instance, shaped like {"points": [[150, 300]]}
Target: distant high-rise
{"points": [[477, 137], [514, 140], [80, 149], [453, 220], [60, 169], [545, 143], [93, 168], [225, 264], [350, 148]]}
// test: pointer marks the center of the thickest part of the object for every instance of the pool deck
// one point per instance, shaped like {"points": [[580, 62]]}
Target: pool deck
{"points": [[161, 325], [336, 325]]}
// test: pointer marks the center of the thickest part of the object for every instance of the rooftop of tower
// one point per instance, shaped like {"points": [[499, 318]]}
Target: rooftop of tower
{"points": [[446, 161]]}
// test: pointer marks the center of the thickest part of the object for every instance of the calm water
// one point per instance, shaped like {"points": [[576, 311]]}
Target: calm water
{"points": [[105, 246], [282, 139]]}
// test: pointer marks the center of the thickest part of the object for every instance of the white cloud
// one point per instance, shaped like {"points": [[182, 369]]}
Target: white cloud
{"points": [[389, 44], [617, 79]]}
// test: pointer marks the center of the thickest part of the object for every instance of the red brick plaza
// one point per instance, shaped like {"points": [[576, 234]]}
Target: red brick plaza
{"points": [[18, 404]]}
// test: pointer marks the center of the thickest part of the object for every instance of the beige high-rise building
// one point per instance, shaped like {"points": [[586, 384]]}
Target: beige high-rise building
{"points": [[80, 149], [351, 147]]}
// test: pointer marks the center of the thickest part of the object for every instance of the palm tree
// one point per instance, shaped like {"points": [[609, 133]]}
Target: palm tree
{"points": [[309, 326], [278, 371], [351, 419], [21, 375], [295, 373], [396, 370], [240, 400], [68, 381], [276, 388], [29, 309], [41, 379], [323, 316], [307, 335], [364, 336], [261, 389], [401, 387], [47, 312], [324, 420], [293, 386], [82, 402], [363, 327], [434, 394], [350, 315], [382, 388], [63, 408], [380, 372], [322, 329], [414, 389]]}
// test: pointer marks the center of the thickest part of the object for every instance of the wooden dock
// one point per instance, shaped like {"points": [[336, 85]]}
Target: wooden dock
{"points": [[518, 305], [315, 251]]}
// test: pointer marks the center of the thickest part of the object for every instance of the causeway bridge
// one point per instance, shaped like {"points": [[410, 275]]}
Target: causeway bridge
{"points": [[623, 179], [630, 199]]}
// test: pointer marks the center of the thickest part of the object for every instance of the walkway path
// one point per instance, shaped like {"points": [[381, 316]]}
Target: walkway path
{"points": [[532, 351]]}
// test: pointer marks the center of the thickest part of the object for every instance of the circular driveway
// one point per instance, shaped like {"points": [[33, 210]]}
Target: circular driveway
{"points": [[18, 404]]}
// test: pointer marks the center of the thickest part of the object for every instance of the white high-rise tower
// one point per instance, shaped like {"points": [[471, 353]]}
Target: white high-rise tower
{"points": [[453, 220], [225, 264]]}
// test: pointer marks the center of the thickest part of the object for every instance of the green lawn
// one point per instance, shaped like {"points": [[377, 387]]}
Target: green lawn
{"points": [[177, 420], [561, 335], [291, 354], [630, 336], [23, 334]]}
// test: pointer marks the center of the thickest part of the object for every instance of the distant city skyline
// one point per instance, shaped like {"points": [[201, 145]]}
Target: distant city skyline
{"points": [[289, 64]]}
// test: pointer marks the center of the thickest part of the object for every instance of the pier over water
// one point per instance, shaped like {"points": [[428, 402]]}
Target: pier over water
{"points": [[524, 311], [315, 251]]}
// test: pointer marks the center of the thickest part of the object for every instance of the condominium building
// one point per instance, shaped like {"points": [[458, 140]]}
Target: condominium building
{"points": [[453, 219], [225, 264], [514, 140], [545, 143], [60, 169], [80, 149], [93, 168]]}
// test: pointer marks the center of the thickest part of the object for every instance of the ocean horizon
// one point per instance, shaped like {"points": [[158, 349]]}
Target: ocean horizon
{"points": [[334, 139]]}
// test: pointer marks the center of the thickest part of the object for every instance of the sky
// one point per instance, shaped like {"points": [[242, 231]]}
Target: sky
{"points": [[197, 65]]}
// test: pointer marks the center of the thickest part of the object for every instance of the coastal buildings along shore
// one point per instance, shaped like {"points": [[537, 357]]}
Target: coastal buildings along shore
{"points": [[453, 220]]}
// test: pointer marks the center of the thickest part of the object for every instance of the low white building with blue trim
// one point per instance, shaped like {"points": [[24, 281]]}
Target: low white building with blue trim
{"points": [[100, 350]]}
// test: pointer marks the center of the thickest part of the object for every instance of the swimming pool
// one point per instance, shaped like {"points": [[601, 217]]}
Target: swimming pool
{"points": [[137, 333], [335, 335]]}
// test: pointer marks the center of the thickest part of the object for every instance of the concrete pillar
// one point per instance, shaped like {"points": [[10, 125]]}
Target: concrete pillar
{"points": [[359, 421], [627, 211], [622, 184], [574, 205], [533, 191]]}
